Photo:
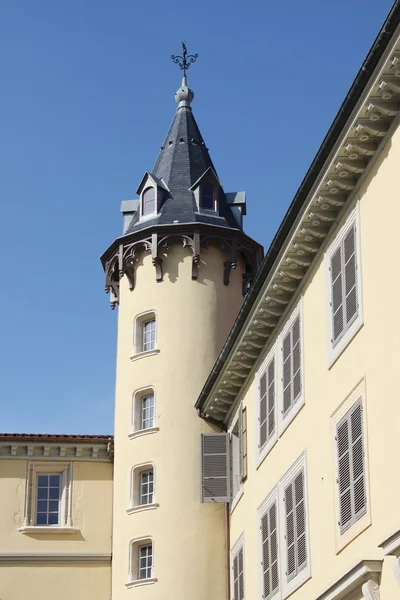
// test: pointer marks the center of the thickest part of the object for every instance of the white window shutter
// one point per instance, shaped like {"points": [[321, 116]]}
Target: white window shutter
{"points": [[350, 275], [215, 484], [337, 306], [240, 574], [263, 410], [295, 517], [269, 545], [271, 399], [287, 372], [296, 358], [244, 443], [291, 358], [351, 467], [236, 577]]}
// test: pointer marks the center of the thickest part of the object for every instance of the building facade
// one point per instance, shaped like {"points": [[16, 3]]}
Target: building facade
{"points": [[256, 417]]}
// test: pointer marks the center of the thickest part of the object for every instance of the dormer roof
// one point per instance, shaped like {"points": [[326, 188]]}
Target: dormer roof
{"points": [[154, 179]]}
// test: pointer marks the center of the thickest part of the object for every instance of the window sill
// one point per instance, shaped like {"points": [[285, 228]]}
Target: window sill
{"points": [[39, 529], [139, 582], [141, 507], [143, 354], [284, 423], [236, 499], [335, 352], [140, 432]]}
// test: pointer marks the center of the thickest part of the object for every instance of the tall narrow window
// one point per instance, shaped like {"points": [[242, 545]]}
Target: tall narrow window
{"points": [[351, 467], [207, 200], [147, 412], [269, 551], [295, 519], [149, 335], [291, 366], [344, 294], [146, 486], [267, 425], [149, 201], [48, 499], [145, 566], [238, 574]]}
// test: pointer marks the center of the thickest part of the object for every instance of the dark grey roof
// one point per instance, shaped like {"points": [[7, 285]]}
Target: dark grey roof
{"points": [[183, 159]]}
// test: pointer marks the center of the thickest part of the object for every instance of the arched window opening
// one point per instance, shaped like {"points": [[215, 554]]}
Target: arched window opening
{"points": [[149, 201]]}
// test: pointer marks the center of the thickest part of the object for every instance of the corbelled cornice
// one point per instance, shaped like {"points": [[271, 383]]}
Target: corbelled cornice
{"points": [[369, 125]]}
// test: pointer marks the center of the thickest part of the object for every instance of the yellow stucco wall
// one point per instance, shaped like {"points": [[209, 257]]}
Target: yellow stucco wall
{"points": [[194, 318], [373, 355], [91, 516]]}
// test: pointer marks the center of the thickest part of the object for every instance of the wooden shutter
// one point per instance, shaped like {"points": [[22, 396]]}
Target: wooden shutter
{"points": [[295, 516], [350, 275], [269, 550], [215, 469], [238, 575], [351, 467], [344, 293], [291, 357], [267, 404], [244, 444]]}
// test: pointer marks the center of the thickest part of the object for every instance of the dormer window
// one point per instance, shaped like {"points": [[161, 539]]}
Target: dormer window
{"points": [[149, 201], [207, 197]]}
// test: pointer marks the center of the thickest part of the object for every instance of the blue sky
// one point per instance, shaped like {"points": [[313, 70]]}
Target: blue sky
{"points": [[87, 98]]}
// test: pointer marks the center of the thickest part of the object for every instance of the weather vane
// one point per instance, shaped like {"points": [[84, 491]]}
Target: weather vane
{"points": [[185, 60]]}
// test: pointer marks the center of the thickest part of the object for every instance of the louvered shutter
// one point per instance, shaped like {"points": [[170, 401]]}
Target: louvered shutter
{"points": [[351, 467], [263, 409], [291, 357], [215, 483], [344, 293], [269, 545], [295, 516], [240, 574], [244, 444], [271, 398]]}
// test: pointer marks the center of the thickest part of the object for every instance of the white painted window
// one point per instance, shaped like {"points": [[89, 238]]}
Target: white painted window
{"points": [[48, 501], [237, 570], [266, 404], [142, 487], [344, 285], [290, 343], [141, 562], [350, 444], [143, 411], [283, 535], [145, 333], [148, 201]]}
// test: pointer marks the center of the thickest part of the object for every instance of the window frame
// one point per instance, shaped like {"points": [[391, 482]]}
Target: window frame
{"points": [[143, 215], [34, 469], [138, 334], [262, 452], [215, 198], [284, 422], [138, 395], [135, 488], [288, 587], [238, 546], [364, 521], [133, 564], [334, 350]]}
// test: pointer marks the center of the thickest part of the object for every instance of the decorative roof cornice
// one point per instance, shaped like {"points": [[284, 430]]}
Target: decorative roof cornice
{"points": [[362, 126], [54, 448]]}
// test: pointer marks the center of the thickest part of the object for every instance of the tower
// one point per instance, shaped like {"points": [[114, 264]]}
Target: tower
{"points": [[178, 274]]}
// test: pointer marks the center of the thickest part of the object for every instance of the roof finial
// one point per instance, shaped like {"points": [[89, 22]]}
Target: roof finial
{"points": [[185, 60]]}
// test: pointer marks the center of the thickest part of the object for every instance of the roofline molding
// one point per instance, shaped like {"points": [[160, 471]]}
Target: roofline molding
{"points": [[325, 186]]}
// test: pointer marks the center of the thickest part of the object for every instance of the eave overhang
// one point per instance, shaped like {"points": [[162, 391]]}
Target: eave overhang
{"points": [[365, 121]]}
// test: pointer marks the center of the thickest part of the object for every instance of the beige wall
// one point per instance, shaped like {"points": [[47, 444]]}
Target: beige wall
{"points": [[194, 318], [91, 516], [373, 355]]}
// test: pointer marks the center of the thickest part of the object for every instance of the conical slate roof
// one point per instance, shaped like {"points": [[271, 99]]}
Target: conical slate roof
{"points": [[182, 161]]}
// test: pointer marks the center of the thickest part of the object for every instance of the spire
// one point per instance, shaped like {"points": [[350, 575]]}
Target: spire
{"points": [[182, 162]]}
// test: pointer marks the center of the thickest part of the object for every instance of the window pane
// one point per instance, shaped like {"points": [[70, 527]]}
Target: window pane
{"points": [[42, 493], [48, 499], [149, 201], [149, 335], [54, 493], [54, 480], [43, 480], [53, 519], [41, 519], [207, 197]]}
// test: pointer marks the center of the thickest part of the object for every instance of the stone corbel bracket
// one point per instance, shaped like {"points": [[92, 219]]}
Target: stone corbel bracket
{"points": [[391, 547], [364, 577]]}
